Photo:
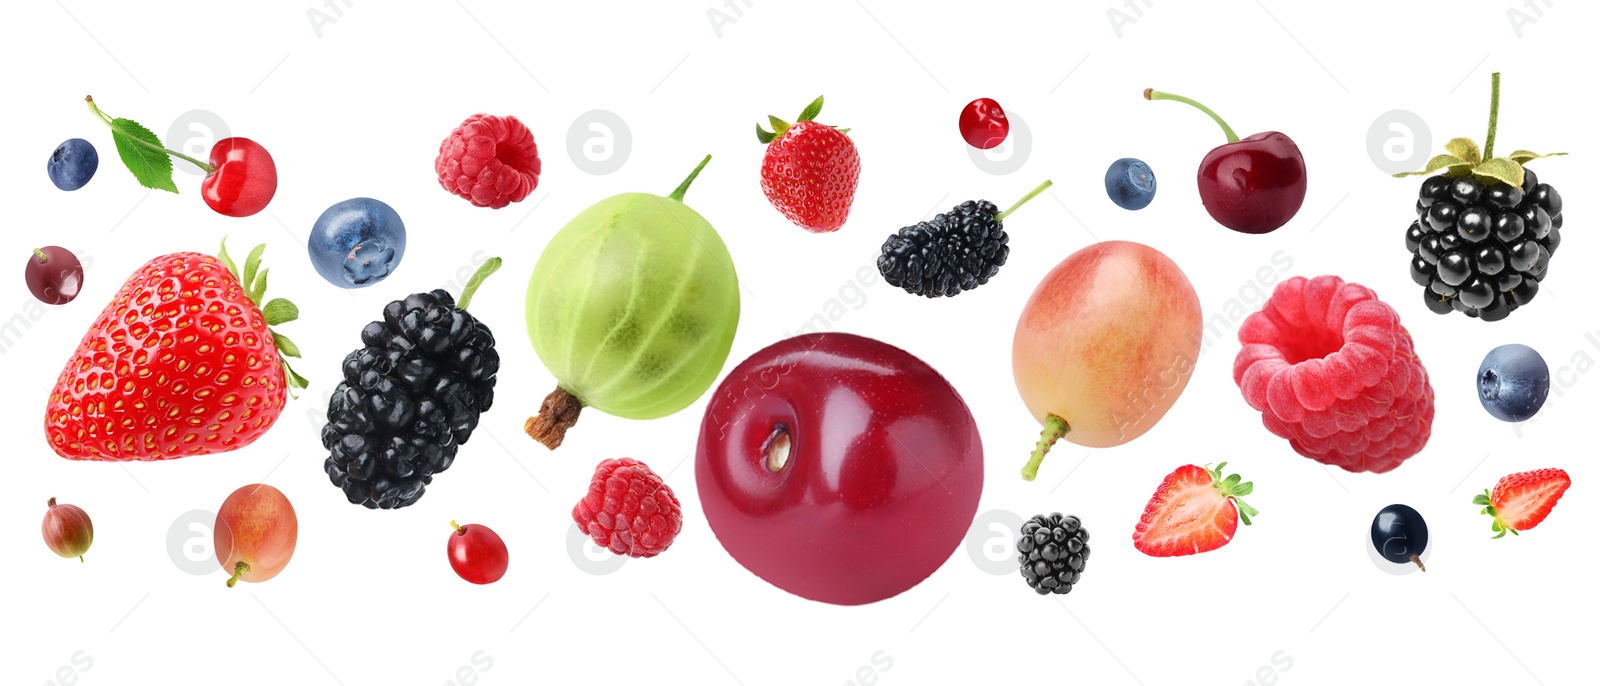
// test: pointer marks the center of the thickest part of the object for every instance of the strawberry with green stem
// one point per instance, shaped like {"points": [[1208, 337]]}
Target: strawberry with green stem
{"points": [[240, 178], [810, 170]]}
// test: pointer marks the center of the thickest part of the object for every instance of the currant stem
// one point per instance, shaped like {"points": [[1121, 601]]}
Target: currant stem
{"points": [[1152, 94], [473, 283], [239, 570], [677, 193], [1054, 428], [1494, 115], [1040, 189], [102, 116], [1418, 560]]}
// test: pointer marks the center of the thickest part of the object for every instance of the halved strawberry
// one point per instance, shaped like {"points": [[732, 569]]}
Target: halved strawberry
{"points": [[181, 362], [1193, 511], [1522, 500]]}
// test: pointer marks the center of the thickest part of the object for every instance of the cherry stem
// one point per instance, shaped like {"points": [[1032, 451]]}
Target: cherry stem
{"points": [[677, 193], [239, 570], [473, 283], [1494, 115], [43, 258], [1418, 560], [1054, 428], [1152, 94], [102, 116], [1013, 208]]}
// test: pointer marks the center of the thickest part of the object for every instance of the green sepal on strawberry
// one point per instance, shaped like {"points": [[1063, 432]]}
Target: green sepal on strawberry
{"points": [[1194, 510], [1462, 156], [810, 170], [1521, 501], [182, 361]]}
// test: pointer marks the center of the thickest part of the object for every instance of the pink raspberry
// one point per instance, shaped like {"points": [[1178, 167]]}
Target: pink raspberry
{"points": [[629, 509], [489, 160], [1331, 369]]}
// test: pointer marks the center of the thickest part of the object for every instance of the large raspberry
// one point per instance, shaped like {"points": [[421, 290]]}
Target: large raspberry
{"points": [[489, 160], [629, 510], [1331, 369]]}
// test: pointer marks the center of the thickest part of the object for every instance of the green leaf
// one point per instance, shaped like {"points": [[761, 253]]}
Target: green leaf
{"points": [[295, 380], [1501, 169], [142, 153], [1502, 534], [278, 311], [286, 347], [1244, 517], [812, 110], [845, 130], [252, 263], [764, 135], [1521, 156], [1464, 148], [1245, 488], [1480, 499], [779, 126], [260, 288], [228, 262], [1437, 162]]}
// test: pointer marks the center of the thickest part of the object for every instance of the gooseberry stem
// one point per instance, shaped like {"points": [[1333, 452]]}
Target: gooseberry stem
{"points": [[489, 267], [1494, 119], [1153, 94], [677, 193], [1040, 189], [1054, 428], [239, 570], [102, 116], [557, 413]]}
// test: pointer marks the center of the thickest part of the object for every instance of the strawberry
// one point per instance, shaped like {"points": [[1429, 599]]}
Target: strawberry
{"points": [[810, 170], [1522, 500], [181, 362], [1193, 511]]}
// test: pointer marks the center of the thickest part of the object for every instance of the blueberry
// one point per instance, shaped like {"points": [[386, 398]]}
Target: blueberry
{"points": [[357, 243], [1513, 382], [72, 164], [1400, 535], [1130, 183]]}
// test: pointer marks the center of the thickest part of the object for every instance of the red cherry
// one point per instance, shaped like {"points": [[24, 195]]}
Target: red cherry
{"points": [[1253, 185], [838, 468], [477, 553], [984, 124], [54, 275], [242, 179]]}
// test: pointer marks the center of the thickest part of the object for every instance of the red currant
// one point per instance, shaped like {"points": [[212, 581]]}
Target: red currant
{"points": [[242, 179], [984, 124], [477, 553]]}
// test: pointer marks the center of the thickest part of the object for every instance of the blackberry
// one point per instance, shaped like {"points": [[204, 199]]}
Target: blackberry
{"points": [[1480, 244], [1053, 551], [955, 251], [410, 397]]}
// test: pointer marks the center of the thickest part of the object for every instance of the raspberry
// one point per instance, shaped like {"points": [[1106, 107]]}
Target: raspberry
{"points": [[1331, 369], [491, 161], [629, 510]]}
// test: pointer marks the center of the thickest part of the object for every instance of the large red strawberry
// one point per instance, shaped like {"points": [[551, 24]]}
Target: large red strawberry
{"points": [[182, 362], [810, 170], [1522, 500], [1193, 511]]}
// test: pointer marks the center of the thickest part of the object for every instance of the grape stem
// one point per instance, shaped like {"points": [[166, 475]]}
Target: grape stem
{"points": [[43, 258], [459, 531], [239, 570], [557, 413], [489, 267], [1494, 120], [1054, 428], [1040, 189], [1153, 94], [102, 116], [677, 193]]}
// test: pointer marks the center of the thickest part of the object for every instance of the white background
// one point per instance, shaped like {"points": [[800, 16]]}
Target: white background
{"points": [[359, 110]]}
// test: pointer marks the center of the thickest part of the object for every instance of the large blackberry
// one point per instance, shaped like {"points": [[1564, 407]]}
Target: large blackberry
{"points": [[410, 397], [955, 251], [1053, 551], [1485, 229]]}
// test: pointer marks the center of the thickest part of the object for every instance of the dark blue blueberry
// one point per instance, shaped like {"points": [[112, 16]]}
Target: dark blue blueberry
{"points": [[1400, 535], [357, 243], [72, 164], [1130, 183], [1513, 382]]}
